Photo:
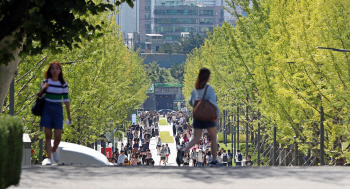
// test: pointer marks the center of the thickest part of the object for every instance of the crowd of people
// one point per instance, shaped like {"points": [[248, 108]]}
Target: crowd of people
{"points": [[200, 155], [137, 149]]}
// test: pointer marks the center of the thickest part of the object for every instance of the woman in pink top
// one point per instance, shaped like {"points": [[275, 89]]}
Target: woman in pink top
{"points": [[185, 137], [134, 160]]}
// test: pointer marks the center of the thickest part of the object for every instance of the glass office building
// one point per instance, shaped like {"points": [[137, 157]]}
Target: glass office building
{"points": [[170, 21]]}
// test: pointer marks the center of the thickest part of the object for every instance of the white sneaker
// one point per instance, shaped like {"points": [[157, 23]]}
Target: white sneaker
{"points": [[55, 156], [48, 162]]}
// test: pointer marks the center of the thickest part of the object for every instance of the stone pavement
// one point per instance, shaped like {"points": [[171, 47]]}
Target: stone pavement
{"points": [[37, 176]]}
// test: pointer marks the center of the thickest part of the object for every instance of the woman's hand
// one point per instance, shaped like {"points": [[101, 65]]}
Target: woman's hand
{"points": [[69, 119], [45, 86]]}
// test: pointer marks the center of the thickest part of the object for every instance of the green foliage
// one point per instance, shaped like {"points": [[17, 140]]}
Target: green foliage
{"points": [[292, 79], [11, 152], [177, 71], [184, 45], [42, 29], [242, 138], [159, 75], [106, 82]]}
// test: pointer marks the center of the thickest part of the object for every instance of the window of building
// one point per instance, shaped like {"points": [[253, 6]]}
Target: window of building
{"points": [[206, 12], [205, 29], [147, 15], [147, 6], [175, 12], [205, 21], [175, 29], [171, 37], [175, 21]]}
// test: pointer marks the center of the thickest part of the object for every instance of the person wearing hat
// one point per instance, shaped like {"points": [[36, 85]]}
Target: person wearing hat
{"points": [[121, 158]]}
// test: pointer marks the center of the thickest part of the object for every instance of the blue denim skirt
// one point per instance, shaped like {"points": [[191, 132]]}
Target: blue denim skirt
{"points": [[198, 124], [52, 115]]}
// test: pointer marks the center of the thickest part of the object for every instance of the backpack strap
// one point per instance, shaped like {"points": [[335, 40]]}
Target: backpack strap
{"points": [[205, 92]]}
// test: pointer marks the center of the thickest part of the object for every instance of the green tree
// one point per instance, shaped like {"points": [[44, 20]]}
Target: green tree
{"points": [[272, 54], [106, 81], [29, 27], [159, 75], [177, 71], [184, 45]]}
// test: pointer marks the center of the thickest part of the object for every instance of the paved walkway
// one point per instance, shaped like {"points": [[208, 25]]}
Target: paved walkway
{"points": [[153, 144], [87, 177]]}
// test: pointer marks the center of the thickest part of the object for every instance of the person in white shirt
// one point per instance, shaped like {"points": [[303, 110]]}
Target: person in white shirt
{"points": [[218, 158], [200, 158], [224, 157], [239, 158], [121, 158]]}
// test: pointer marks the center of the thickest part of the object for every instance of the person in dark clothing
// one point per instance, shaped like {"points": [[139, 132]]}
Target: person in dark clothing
{"points": [[174, 129], [179, 157], [177, 139]]}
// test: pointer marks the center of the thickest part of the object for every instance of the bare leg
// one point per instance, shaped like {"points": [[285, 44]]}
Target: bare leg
{"points": [[212, 132], [48, 136], [196, 136], [57, 135]]}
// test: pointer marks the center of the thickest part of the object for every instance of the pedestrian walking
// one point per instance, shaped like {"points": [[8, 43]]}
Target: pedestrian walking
{"points": [[194, 157], [186, 159], [205, 91], [159, 145], [239, 158], [56, 90], [134, 160], [200, 158], [224, 158], [121, 158], [249, 162], [162, 155], [167, 152], [229, 159]]}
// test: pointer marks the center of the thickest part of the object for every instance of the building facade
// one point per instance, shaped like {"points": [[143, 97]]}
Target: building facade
{"points": [[164, 96], [172, 21], [128, 18]]}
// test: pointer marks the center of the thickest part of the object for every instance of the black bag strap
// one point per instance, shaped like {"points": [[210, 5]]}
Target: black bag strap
{"points": [[205, 92]]}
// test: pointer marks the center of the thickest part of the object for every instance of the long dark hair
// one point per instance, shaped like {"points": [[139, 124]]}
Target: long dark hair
{"points": [[202, 79], [60, 75]]}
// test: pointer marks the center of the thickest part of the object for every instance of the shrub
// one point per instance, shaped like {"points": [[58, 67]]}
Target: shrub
{"points": [[11, 152]]}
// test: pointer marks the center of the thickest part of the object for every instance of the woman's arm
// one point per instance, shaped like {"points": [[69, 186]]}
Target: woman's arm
{"points": [[68, 111], [192, 98], [42, 90]]}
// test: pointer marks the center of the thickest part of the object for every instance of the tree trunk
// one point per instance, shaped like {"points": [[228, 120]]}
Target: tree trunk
{"points": [[7, 72]]}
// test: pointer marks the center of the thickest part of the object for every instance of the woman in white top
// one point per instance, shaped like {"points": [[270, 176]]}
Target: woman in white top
{"points": [[56, 90], [159, 145]]}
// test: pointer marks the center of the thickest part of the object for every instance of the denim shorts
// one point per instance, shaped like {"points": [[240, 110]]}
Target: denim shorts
{"points": [[52, 115], [198, 124]]}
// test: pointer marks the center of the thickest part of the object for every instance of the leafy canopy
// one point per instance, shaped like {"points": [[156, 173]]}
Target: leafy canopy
{"points": [[41, 24]]}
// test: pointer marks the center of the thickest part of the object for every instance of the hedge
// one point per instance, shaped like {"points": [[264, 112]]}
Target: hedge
{"points": [[11, 150]]}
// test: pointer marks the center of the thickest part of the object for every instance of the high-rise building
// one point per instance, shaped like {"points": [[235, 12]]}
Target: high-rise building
{"points": [[128, 18], [170, 21]]}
